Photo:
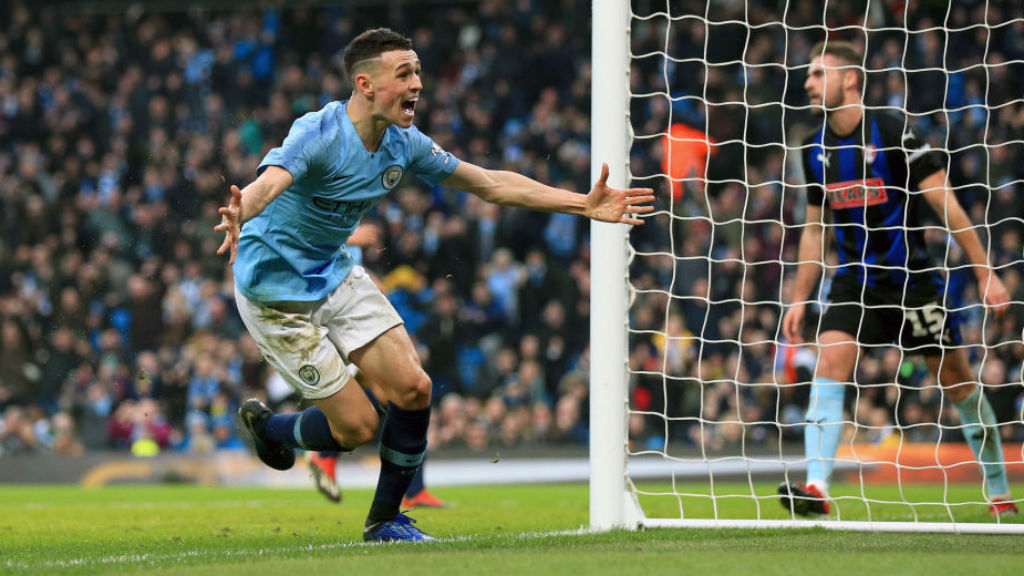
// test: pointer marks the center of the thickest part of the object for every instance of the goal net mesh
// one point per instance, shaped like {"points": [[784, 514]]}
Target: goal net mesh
{"points": [[717, 397]]}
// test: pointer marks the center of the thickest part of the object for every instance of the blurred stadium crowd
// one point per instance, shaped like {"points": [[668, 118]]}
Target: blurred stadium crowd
{"points": [[120, 133]]}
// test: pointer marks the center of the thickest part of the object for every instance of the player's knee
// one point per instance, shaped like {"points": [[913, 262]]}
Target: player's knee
{"points": [[356, 437], [357, 433], [415, 395]]}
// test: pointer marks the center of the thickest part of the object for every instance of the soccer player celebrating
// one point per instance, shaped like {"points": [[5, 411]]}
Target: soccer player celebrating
{"points": [[312, 312], [873, 172]]}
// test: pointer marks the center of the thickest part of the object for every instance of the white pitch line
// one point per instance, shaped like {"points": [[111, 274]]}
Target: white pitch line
{"points": [[134, 559]]}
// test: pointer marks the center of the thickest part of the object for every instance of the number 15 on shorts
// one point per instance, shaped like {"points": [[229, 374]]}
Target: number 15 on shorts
{"points": [[929, 320]]}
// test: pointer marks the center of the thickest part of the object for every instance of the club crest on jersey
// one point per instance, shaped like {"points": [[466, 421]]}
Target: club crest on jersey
{"points": [[391, 176], [309, 374], [856, 193], [869, 153], [825, 158]]}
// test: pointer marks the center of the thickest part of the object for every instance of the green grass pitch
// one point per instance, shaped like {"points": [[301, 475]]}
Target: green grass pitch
{"points": [[492, 530]]}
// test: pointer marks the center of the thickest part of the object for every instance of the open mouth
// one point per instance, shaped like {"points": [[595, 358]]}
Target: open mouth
{"points": [[409, 106]]}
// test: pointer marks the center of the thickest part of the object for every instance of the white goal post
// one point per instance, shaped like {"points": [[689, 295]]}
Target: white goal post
{"points": [[658, 482], [610, 505]]}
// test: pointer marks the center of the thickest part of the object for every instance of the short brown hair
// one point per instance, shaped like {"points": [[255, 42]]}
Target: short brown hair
{"points": [[845, 52], [370, 45]]}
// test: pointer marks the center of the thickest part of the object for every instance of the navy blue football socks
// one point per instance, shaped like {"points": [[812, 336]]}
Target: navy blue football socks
{"points": [[417, 486], [308, 430], [403, 445]]}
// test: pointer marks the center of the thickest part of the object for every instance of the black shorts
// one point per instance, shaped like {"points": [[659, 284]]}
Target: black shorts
{"points": [[919, 324]]}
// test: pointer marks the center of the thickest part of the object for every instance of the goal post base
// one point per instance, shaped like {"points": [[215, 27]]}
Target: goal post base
{"points": [[629, 516]]}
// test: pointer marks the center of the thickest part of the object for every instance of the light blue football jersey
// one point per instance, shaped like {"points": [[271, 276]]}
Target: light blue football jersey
{"points": [[295, 249]]}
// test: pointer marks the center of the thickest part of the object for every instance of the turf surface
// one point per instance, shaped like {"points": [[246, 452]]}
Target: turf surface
{"points": [[493, 530]]}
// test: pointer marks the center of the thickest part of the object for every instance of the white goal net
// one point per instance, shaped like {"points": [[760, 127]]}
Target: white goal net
{"points": [[699, 403]]}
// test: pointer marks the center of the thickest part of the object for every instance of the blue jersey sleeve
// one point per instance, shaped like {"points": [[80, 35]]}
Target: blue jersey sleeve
{"points": [[299, 151], [428, 160]]}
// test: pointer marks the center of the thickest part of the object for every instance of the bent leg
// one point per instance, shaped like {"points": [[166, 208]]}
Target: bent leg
{"points": [[341, 422]]}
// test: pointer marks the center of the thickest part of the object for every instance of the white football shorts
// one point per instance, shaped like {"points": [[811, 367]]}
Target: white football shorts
{"points": [[309, 342]]}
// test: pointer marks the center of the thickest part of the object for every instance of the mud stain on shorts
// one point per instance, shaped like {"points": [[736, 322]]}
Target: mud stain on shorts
{"points": [[297, 335]]}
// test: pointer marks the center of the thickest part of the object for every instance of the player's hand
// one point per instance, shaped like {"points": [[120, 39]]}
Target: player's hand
{"points": [[612, 205], [364, 235], [793, 323], [995, 295], [231, 224]]}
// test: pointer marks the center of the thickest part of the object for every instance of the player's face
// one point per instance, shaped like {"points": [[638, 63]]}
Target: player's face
{"points": [[397, 87], [824, 85]]}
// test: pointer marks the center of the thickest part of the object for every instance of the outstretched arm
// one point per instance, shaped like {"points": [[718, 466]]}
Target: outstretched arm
{"points": [[940, 196], [246, 204], [511, 189]]}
